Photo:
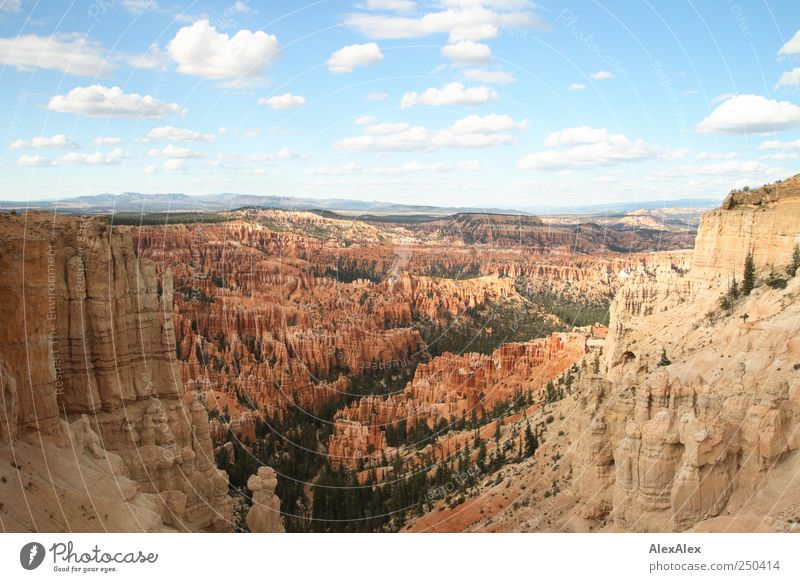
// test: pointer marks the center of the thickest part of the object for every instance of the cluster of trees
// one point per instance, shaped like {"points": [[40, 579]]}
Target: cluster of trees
{"points": [[572, 313], [508, 321]]}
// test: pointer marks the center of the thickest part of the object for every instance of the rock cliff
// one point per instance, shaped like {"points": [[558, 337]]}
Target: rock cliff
{"points": [[692, 418], [90, 386]]}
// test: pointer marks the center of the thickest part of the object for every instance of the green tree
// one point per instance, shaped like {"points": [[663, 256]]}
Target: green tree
{"points": [[531, 442], [795, 264], [749, 276], [664, 361]]}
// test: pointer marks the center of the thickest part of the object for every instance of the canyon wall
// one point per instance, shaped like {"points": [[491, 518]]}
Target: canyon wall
{"points": [[764, 221], [90, 384], [697, 414]]}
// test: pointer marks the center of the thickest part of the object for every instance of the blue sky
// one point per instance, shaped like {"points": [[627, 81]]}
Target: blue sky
{"points": [[447, 102]]}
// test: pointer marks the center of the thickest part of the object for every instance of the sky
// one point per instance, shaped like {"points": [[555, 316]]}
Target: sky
{"points": [[501, 103]]}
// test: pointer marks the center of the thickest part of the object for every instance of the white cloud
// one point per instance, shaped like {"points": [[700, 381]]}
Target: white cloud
{"points": [[240, 7], [355, 55], [175, 166], [715, 155], [285, 101], [577, 87], [100, 101], [136, 6], [172, 133], [732, 170], [377, 96], [493, 77], [450, 94], [57, 142], [35, 161], [10, 5], [173, 151], [202, 51], [107, 140], [470, 165], [469, 132], [722, 97], [460, 19], [595, 148], [69, 53], [151, 170], [467, 51], [222, 130], [387, 128], [790, 77], [576, 136], [780, 145], [250, 132], [96, 159], [365, 120], [601, 75], [283, 154], [792, 46], [154, 58], [751, 114], [396, 5]]}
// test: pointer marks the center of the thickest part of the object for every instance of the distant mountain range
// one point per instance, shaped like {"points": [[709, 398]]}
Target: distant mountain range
{"points": [[177, 202]]}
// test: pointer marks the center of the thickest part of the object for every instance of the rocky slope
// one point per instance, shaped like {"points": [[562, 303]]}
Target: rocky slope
{"points": [[97, 432], [692, 420]]}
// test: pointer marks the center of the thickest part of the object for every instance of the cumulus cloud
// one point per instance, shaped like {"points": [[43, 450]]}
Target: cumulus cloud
{"points": [[459, 19], [780, 145], [467, 51], [450, 94], [172, 133], [203, 51], [493, 77], [285, 101], [107, 140], [35, 161], [71, 54], [365, 120], [100, 101], [790, 77], [469, 132], [151, 169], [96, 159], [57, 142], [792, 46], [176, 166], [744, 114], [577, 87], [173, 151], [588, 148], [377, 96], [601, 75], [346, 59]]}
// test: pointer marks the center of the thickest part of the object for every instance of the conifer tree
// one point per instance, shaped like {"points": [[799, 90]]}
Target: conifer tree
{"points": [[749, 276]]}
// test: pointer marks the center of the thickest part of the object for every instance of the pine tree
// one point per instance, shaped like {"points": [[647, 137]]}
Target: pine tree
{"points": [[749, 276], [794, 266], [665, 361], [531, 442]]}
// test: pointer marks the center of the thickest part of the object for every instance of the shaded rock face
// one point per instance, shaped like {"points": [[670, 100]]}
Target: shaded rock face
{"points": [[88, 336], [265, 514]]}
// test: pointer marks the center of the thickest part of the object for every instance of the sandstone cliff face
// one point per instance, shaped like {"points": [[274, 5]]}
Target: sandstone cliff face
{"points": [[765, 221], [692, 418], [89, 331]]}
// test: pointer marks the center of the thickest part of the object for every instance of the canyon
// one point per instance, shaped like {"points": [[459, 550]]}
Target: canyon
{"points": [[275, 370]]}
